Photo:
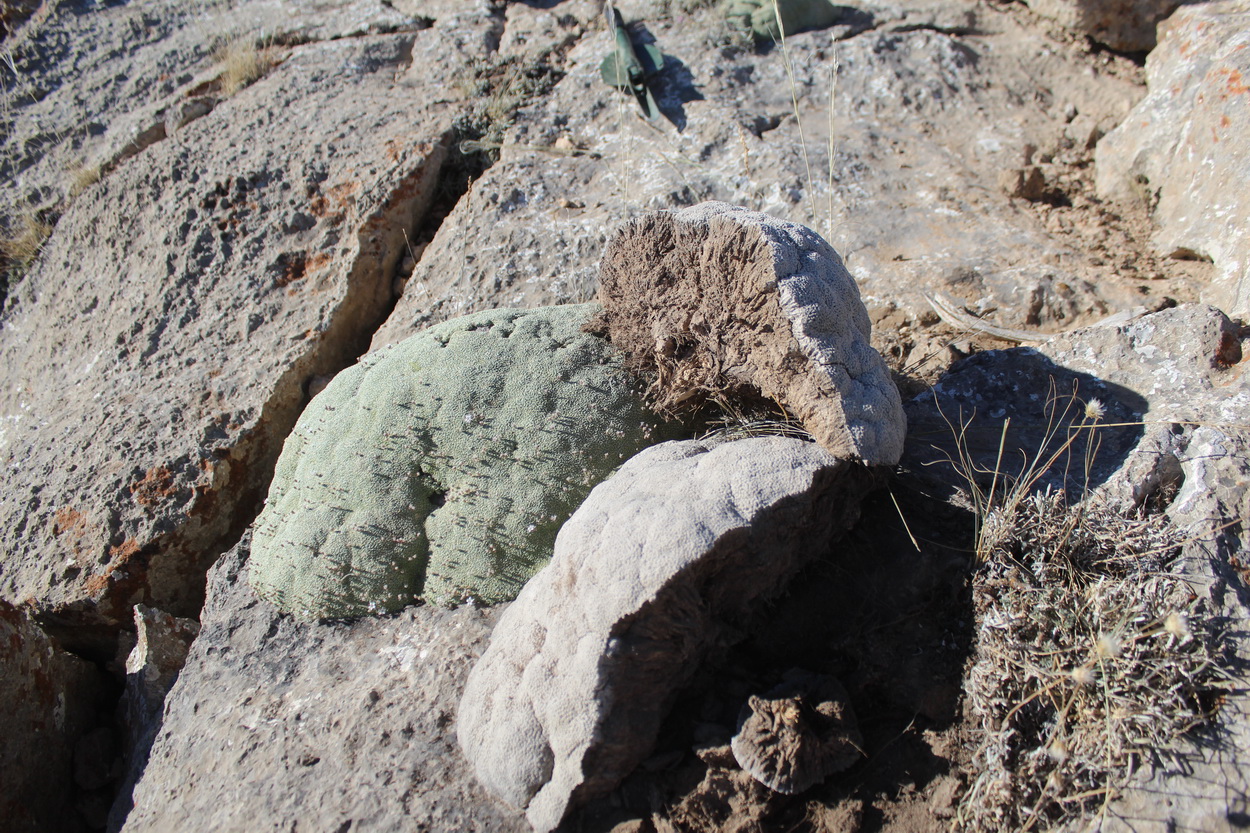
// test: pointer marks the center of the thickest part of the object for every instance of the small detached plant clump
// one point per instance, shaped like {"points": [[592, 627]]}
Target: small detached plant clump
{"points": [[1091, 660]]}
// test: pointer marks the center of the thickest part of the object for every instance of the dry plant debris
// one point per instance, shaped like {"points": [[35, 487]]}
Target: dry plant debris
{"points": [[82, 176], [21, 246], [1091, 663], [242, 63], [797, 733]]}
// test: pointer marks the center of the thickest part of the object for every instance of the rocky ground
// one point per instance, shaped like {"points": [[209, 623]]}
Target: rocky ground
{"points": [[211, 208]]}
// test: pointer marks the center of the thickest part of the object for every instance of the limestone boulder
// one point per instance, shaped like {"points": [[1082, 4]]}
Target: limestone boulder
{"points": [[997, 415], [1183, 151], [653, 571], [274, 723], [442, 468]]}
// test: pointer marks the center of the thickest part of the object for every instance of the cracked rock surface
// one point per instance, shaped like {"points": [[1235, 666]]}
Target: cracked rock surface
{"points": [[276, 723]]}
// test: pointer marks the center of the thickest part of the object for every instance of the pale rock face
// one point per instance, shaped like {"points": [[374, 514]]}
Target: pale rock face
{"points": [[207, 280], [278, 723], [649, 574], [1185, 150], [139, 74], [152, 666], [718, 301]]}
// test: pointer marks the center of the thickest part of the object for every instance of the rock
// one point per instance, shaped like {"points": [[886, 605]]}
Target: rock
{"points": [[1190, 362], [1000, 415], [930, 104], [1027, 183], [715, 302], [1185, 362], [50, 704], [1183, 150], [208, 279], [442, 468], [1123, 25], [797, 733], [14, 14], [279, 724], [650, 573], [530, 30], [132, 69], [152, 666], [507, 243]]}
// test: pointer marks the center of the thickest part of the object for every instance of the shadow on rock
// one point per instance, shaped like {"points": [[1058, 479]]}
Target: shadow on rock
{"points": [[893, 625], [673, 86], [1009, 418]]}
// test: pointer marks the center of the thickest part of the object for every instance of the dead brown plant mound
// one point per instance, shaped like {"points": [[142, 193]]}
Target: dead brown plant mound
{"points": [[714, 303], [678, 304]]}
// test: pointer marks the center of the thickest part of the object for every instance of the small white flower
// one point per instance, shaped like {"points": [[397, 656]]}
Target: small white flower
{"points": [[1109, 646], [1177, 624]]}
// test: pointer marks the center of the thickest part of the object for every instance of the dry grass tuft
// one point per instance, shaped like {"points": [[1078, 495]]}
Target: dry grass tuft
{"points": [[243, 62], [82, 177], [1091, 661], [1066, 442], [21, 246]]}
